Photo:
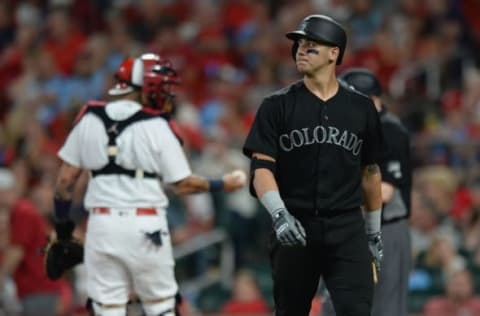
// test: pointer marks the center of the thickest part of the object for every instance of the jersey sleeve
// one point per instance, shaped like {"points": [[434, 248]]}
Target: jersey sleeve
{"points": [[72, 148], [373, 141], [172, 162], [263, 135], [394, 164]]}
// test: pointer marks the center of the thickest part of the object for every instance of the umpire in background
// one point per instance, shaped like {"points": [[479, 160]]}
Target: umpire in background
{"points": [[391, 291], [315, 147]]}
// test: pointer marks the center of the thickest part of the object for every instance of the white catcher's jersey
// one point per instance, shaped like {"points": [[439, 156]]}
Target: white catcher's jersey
{"points": [[149, 144]]}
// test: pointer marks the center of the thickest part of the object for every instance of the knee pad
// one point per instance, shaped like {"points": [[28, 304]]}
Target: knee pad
{"points": [[98, 309], [165, 307]]}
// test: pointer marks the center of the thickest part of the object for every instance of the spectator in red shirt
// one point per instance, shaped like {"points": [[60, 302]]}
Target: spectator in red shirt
{"points": [[459, 299], [23, 257], [64, 42], [246, 297]]}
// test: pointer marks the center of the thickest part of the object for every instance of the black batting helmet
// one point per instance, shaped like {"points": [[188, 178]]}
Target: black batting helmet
{"points": [[363, 80], [323, 29]]}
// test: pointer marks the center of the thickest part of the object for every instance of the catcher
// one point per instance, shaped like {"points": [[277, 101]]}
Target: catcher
{"points": [[130, 150]]}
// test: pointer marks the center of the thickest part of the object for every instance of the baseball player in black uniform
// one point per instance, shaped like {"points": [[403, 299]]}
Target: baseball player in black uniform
{"points": [[315, 148], [390, 296]]}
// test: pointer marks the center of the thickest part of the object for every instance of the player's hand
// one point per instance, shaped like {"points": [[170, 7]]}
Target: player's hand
{"points": [[234, 180], [288, 229], [375, 245]]}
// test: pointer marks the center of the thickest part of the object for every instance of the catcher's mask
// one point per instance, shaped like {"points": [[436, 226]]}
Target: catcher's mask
{"points": [[151, 74]]}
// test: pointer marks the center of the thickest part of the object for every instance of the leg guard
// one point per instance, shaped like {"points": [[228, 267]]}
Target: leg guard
{"points": [[161, 307], [98, 309], [178, 302]]}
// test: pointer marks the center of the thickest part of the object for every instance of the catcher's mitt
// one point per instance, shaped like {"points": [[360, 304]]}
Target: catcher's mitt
{"points": [[62, 254]]}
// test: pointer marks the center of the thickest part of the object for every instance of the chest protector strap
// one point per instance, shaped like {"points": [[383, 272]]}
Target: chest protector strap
{"points": [[114, 129]]}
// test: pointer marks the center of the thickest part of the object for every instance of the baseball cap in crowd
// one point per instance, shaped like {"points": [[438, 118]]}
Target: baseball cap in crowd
{"points": [[7, 179]]}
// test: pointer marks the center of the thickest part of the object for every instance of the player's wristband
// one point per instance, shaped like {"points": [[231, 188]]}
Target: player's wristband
{"points": [[215, 185], [373, 221], [273, 202], [62, 208]]}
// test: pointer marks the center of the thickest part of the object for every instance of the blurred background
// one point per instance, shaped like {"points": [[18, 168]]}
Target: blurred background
{"points": [[57, 54]]}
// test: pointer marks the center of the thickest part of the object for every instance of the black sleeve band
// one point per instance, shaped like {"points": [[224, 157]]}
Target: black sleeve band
{"points": [[259, 164]]}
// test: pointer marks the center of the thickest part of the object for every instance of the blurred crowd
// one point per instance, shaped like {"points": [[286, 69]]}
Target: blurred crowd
{"points": [[57, 54]]}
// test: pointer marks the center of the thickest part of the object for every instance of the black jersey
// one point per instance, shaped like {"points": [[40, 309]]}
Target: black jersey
{"points": [[395, 166], [319, 146]]}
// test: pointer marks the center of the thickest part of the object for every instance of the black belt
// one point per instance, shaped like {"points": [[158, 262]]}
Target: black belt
{"points": [[326, 213]]}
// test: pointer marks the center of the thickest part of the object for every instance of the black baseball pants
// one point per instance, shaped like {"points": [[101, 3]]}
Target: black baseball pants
{"points": [[337, 250]]}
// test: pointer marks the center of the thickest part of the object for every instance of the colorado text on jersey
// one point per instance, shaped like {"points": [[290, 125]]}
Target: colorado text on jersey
{"points": [[319, 135]]}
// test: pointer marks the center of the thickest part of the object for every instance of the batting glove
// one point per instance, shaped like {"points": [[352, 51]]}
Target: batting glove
{"points": [[288, 229], [375, 245]]}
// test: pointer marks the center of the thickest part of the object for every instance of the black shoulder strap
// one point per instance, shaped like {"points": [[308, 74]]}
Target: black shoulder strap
{"points": [[114, 128]]}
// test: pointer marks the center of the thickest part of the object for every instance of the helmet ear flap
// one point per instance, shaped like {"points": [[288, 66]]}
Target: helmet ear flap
{"points": [[294, 50]]}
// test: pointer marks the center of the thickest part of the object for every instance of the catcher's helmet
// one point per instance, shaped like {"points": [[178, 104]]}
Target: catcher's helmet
{"points": [[152, 74], [323, 29], [125, 82], [362, 80]]}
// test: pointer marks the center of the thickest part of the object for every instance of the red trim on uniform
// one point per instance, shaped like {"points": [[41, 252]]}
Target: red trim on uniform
{"points": [[80, 114], [96, 103], [151, 111], [101, 210], [176, 129], [139, 211], [84, 108], [146, 211]]}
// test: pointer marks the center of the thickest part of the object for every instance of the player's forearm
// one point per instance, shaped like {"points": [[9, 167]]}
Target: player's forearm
{"points": [[192, 184], [229, 182], [66, 179], [263, 177], [372, 191], [266, 187], [263, 182], [371, 186]]}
